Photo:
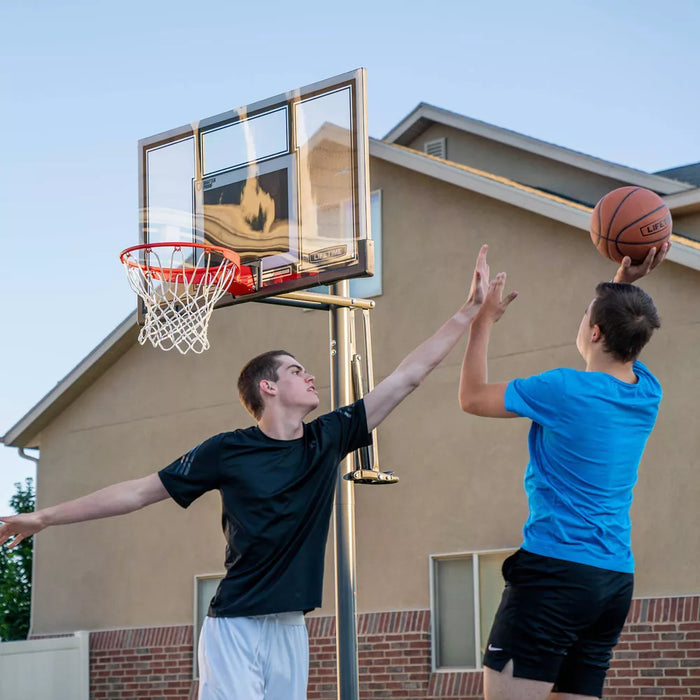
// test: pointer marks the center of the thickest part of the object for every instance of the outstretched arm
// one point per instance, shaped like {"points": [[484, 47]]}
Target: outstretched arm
{"points": [[414, 368], [629, 273], [476, 395], [117, 499]]}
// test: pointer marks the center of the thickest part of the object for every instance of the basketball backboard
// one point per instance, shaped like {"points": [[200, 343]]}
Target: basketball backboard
{"points": [[283, 182]]}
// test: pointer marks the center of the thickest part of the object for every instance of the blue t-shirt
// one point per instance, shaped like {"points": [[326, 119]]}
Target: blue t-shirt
{"points": [[588, 434]]}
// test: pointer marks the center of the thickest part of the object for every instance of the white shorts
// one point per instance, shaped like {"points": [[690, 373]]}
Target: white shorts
{"points": [[254, 658]]}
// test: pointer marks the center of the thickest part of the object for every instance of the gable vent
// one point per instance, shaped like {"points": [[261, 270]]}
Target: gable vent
{"points": [[436, 147]]}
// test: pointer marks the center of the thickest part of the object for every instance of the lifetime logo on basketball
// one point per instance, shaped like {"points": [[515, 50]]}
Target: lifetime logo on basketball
{"points": [[656, 226]]}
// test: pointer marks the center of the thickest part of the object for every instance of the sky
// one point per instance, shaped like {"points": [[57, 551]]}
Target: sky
{"points": [[82, 81]]}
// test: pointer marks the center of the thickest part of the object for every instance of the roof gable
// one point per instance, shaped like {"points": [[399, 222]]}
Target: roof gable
{"points": [[684, 251], [424, 115]]}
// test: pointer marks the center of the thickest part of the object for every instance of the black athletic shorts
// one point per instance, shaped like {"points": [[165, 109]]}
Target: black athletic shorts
{"points": [[559, 621]]}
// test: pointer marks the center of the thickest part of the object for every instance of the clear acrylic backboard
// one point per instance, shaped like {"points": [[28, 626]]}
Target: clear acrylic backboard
{"points": [[283, 182]]}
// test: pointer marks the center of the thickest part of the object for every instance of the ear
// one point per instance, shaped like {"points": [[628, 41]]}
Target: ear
{"points": [[596, 334], [267, 388]]}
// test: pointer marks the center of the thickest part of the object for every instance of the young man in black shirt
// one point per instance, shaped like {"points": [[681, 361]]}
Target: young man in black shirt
{"points": [[276, 480]]}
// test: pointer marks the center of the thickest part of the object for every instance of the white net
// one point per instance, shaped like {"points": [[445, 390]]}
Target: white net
{"points": [[179, 285]]}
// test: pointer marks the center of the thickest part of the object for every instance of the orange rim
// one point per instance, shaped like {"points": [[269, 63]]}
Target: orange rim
{"points": [[196, 274]]}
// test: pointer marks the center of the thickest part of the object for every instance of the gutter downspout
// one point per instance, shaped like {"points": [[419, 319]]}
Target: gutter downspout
{"points": [[24, 455]]}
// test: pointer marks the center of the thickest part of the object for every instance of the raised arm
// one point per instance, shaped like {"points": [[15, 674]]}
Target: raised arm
{"points": [[476, 395], [415, 367], [117, 499]]}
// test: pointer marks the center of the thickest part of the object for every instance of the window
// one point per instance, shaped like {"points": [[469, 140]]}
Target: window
{"points": [[204, 588], [366, 287], [465, 590], [436, 147]]}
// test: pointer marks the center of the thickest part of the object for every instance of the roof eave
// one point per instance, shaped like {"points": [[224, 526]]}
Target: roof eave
{"points": [[25, 433], [683, 251], [527, 143], [684, 202]]}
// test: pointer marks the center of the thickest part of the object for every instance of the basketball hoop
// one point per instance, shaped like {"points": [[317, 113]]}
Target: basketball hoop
{"points": [[179, 284]]}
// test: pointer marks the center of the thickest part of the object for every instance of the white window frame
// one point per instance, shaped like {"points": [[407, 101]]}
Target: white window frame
{"points": [[196, 614], [434, 613], [377, 236]]}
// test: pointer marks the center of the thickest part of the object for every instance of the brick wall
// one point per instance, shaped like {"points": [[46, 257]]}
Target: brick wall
{"points": [[141, 663], [659, 652], [393, 651], [394, 659], [658, 656]]}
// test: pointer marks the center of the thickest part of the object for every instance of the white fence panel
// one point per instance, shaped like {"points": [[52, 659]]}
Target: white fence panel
{"points": [[46, 669]]}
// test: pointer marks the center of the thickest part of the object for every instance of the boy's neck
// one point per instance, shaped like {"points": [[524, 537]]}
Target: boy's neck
{"points": [[624, 371], [282, 425]]}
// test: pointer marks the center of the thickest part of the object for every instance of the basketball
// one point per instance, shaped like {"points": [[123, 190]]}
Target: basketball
{"points": [[630, 221]]}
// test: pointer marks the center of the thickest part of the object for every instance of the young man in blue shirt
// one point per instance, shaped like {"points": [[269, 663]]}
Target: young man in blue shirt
{"points": [[569, 587]]}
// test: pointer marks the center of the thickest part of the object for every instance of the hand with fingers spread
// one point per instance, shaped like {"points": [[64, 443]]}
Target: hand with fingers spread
{"points": [[629, 273], [19, 527], [480, 279], [494, 305], [416, 366]]}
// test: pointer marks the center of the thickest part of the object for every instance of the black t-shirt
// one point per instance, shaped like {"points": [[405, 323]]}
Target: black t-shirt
{"points": [[277, 497]]}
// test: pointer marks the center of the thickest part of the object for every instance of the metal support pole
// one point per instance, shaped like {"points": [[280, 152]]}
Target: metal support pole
{"points": [[345, 581], [333, 298]]}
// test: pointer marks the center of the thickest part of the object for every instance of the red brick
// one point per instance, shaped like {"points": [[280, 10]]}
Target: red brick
{"points": [[653, 659]]}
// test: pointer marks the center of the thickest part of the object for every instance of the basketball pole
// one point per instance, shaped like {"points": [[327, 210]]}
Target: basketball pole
{"points": [[339, 303], [345, 578]]}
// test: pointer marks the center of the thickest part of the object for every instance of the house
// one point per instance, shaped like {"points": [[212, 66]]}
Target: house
{"points": [[428, 549]]}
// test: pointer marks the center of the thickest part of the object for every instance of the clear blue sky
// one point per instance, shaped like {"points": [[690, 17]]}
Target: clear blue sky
{"points": [[82, 81]]}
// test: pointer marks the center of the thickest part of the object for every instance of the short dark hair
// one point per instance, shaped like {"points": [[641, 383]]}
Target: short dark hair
{"points": [[627, 318], [263, 366]]}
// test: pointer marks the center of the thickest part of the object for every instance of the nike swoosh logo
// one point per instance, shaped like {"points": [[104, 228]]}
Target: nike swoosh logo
{"points": [[491, 647]]}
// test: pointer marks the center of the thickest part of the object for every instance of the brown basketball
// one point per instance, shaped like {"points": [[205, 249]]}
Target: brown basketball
{"points": [[630, 221]]}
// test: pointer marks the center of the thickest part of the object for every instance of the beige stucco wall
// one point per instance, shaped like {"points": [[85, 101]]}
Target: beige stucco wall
{"points": [[521, 166], [461, 476]]}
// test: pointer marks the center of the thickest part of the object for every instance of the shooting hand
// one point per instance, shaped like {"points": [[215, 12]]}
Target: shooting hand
{"points": [[629, 273]]}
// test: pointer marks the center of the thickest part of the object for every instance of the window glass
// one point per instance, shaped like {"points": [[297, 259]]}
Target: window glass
{"points": [[462, 612], [367, 287], [454, 600]]}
